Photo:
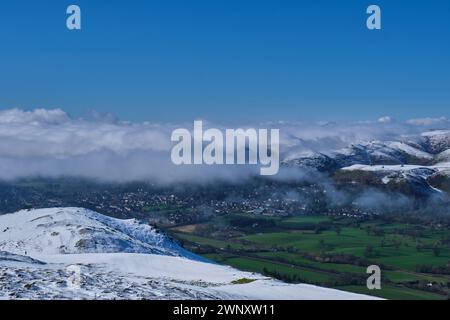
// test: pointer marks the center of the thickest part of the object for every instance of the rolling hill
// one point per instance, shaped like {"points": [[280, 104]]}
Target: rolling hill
{"points": [[74, 253]]}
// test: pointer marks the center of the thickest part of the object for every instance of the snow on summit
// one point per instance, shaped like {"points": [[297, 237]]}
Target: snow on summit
{"points": [[120, 259], [77, 230]]}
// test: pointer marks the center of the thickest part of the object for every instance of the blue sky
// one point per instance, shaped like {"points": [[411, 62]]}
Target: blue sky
{"points": [[174, 60]]}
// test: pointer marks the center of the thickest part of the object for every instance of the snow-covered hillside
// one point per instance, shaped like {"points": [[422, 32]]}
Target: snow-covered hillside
{"points": [[76, 230], [413, 160], [411, 173], [437, 141], [73, 253], [427, 149]]}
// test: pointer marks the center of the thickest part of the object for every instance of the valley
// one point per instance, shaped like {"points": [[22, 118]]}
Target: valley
{"points": [[322, 221], [332, 251]]}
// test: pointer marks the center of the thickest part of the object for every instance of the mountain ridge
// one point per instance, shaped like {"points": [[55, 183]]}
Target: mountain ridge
{"points": [[412, 160]]}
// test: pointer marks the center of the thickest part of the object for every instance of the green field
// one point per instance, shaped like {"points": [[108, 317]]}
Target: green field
{"points": [[332, 252]]}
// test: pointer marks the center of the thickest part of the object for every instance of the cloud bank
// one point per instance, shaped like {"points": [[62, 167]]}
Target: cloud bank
{"points": [[50, 143]]}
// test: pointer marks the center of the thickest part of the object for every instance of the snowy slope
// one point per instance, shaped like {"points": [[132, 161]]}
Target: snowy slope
{"points": [[416, 176], [443, 156], [119, 260], [76, 230], [366, 153], [409, 150], [382, 152], [437, 141], [424, 149], [423, 171], [412, 162], [143, 276]]}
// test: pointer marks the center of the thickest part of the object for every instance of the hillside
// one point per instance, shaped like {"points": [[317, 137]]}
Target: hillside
{"points": [[412, 164], [42, 250]]}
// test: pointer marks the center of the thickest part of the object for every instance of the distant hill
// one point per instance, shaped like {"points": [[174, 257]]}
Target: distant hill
{"points": [[417, 162]]}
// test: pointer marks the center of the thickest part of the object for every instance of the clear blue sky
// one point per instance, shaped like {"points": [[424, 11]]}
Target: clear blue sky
{"points": [[172, 60]]}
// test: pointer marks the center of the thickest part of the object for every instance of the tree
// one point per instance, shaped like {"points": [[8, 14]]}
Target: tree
{"points": [[436, 251], [322, 243], [368, 251]]}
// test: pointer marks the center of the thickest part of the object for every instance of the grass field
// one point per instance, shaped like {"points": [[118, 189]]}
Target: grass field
{"points": [[330, 252]]}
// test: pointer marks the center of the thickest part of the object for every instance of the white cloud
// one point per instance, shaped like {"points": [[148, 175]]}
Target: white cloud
{"points": [[428, 121], [385, 120], [51, 143], [37, 116]]}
